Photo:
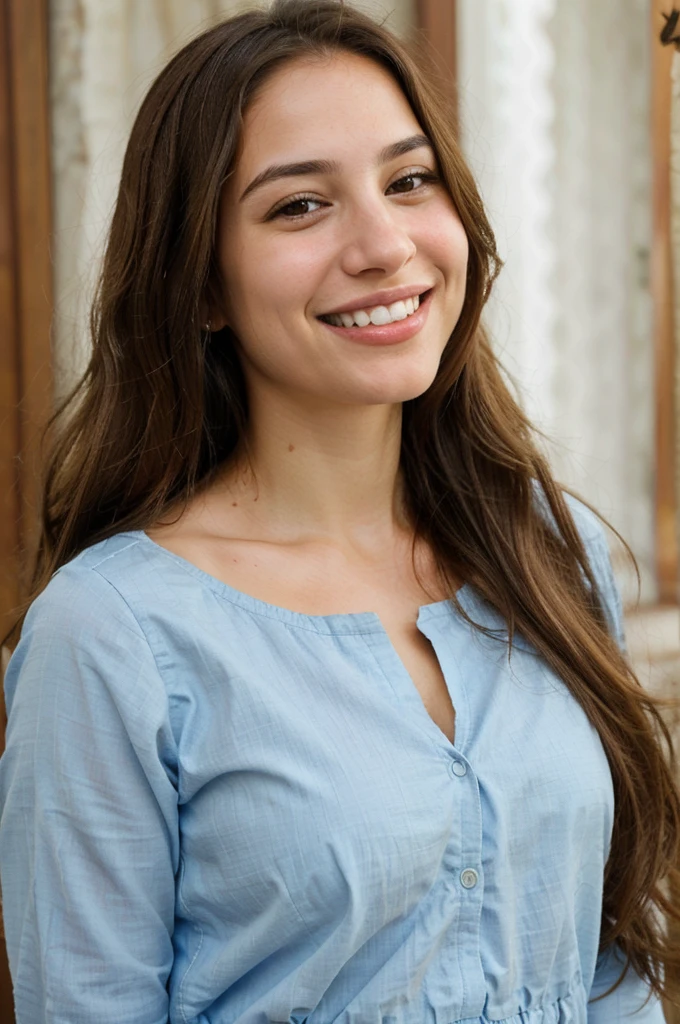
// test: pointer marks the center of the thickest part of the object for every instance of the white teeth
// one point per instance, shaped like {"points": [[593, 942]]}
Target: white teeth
{"points": [[379, 315], [398, 311]]}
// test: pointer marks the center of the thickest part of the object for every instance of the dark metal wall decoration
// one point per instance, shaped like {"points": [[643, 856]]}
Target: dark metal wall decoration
{"points": [[670, 32]]}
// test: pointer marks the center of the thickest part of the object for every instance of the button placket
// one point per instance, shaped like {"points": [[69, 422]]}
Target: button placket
{"points": [[466, 885]]}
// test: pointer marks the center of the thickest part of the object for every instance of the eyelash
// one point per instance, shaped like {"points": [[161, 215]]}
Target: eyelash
{"points": [[428, 178]]}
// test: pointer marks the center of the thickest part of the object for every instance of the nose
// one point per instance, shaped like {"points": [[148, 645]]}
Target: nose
{"points": [[376, 237]]}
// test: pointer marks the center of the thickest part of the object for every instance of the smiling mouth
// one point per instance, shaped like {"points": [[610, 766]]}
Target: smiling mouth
{"points": [[376, 316]]}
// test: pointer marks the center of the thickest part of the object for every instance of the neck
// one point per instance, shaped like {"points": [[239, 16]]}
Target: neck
{"points": [[314, 472]]}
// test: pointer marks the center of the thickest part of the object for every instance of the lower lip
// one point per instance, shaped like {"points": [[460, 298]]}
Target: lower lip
{"points": [[386, 334]]}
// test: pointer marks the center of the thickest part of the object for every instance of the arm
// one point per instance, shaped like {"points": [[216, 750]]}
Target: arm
{"points": [[88, 825]]}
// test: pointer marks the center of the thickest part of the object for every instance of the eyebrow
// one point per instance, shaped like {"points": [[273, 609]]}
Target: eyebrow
{"points": [[276, 171]]}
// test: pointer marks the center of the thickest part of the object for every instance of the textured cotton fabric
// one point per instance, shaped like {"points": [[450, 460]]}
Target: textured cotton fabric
{"points": [[216, 810]]}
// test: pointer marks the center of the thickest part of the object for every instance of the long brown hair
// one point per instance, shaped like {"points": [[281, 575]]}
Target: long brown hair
{"points": [[162, 404]]}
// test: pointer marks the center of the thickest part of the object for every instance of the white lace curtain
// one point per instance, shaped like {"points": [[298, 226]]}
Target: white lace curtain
{"points": [[555, 118]]}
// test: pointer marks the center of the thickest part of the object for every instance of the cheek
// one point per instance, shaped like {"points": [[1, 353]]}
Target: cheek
{"points": [[283, 274], [297, 262], [264, 302], [256, 291], [260, 280], [449, 245]]}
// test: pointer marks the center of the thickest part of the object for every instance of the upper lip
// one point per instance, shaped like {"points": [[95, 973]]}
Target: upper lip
{"points": [[384, 298]]}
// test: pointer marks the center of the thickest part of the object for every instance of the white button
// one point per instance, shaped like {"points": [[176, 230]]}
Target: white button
{"points": [[458, 768], [469, 878]]}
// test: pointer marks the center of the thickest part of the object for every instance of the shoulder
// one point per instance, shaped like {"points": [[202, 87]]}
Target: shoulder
{"points": [[103, 612], [589, 526], [593, 534], [82, 611], [587, 522], [91, 589], [125, 580], [122, 607]]}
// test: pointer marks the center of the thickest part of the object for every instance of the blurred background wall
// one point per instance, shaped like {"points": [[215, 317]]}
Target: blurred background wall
{"points": [[555, 112], [564, 113]]}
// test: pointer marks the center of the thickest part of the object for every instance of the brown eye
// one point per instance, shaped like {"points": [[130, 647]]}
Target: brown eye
{"points": [[300, 206], [414, 181], [296, 208], [405, 184]]}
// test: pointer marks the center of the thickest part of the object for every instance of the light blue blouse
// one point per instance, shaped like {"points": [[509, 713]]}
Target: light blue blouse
{"points": [[218, 811]]}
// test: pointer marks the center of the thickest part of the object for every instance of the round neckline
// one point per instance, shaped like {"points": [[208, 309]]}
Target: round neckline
{"points": [[336, 622]]}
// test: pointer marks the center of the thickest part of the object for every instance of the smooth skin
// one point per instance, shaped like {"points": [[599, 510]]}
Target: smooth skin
{"points": [[313, 522]]}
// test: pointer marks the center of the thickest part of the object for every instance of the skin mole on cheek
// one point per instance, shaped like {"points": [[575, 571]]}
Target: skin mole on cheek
{"points": [[291, 447]]}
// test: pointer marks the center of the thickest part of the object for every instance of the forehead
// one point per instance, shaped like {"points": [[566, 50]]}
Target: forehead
{"points": [[323, 102]]}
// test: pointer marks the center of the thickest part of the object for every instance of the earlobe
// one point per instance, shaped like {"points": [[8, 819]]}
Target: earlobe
{"points": [[211, 321], [210, 327]]}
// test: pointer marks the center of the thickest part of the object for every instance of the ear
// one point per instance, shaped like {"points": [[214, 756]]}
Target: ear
{"points": [[212, 324], [216, 322], [211, 312]]}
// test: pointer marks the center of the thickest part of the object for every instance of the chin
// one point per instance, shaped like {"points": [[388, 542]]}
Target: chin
{"points": [[394, 392]]}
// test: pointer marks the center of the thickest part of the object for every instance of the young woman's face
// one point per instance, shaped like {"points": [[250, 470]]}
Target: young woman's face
{"points": [[335, 209]]}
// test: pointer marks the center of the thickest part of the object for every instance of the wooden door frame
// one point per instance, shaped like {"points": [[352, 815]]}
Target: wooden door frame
{"points": [[25, 283], [661, 268], [25, 308], [662, 286], [437, 19]]}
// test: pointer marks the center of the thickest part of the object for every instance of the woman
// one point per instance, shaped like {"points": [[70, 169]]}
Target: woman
{"points": [[323, 713]]}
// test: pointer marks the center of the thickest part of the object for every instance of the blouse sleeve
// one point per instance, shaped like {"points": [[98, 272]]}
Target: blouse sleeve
{"points": [[88, 813], [625, 1003], [609, 591], [630, 1002]]}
